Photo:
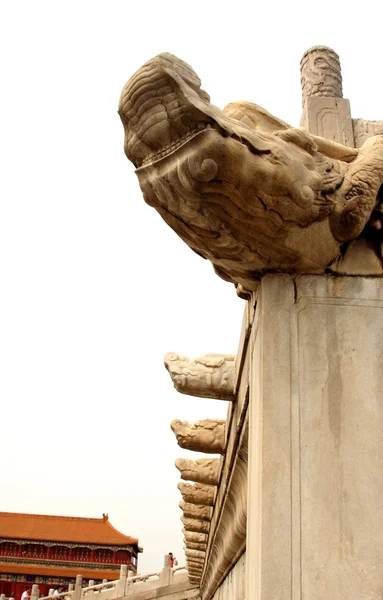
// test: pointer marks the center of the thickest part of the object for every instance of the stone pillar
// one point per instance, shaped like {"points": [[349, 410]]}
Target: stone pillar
{"points": [[166, 571], [316, 440], [91, 582], [78, 588], [325, 112], [51, 590], [35, 592], [122, 581], [70, 587]]}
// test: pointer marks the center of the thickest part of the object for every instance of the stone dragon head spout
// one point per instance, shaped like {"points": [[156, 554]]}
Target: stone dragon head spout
{"points": [[239, 186]]}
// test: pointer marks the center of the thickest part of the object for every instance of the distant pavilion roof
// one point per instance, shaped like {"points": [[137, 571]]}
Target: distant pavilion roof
{"points": [[62, 529]]}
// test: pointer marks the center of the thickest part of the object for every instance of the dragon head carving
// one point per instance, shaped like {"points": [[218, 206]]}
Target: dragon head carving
{"points": [[240, 187]]}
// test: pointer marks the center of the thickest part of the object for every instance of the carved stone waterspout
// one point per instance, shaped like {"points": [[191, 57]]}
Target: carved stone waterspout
{"points": [[194, 546], [207, 376], [192, 554], [195, 569], [207, 435], [196, 511], [195, 525], [195, 537], [202, 470], [197, 493], [242, 188]]}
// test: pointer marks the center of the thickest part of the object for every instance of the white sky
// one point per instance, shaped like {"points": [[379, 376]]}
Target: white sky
{"points": [[95, 288]]}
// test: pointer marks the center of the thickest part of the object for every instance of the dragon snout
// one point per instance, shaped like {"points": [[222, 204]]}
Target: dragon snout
{"points": [[159, 107]]}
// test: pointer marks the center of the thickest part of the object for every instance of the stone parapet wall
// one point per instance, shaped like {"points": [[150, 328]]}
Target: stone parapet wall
{"points": [[226, 542], [233, 587]]}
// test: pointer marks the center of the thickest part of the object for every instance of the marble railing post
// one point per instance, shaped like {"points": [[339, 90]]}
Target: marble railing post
{"points": [[78, 588], [70, 587], [35, 592], [122, 581], [166, 571]]}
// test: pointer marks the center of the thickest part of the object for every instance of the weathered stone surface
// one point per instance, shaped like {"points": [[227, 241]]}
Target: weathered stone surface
{"points": [[364, 129], [196, 511], [329, 118], [195, 569], [207, 376], [249, 199], [194, 575], [194, 554], [202, 470], [320, 73], [196, 562], [197, 493], [325, 112], [360, 259], [195, 572], [227, 535], [315, 474], [194, 565], [195, 525], [233, 587], [192, 536], [194, 546], [207, 435]]}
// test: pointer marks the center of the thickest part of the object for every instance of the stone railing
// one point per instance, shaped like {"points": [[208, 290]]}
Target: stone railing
{"points": [[124, 586]]}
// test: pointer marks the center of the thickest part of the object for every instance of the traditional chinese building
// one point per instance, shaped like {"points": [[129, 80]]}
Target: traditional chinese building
{"points": [[51, 551]]}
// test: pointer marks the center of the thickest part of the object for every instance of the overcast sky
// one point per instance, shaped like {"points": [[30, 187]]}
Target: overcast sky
{"points": [[95, 288]]}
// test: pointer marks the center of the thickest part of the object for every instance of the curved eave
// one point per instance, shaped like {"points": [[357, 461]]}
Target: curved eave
{"points": [[58, 529]]}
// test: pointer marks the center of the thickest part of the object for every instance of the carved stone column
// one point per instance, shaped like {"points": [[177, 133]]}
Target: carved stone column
{"points": [[325, 112], [315, 505]]}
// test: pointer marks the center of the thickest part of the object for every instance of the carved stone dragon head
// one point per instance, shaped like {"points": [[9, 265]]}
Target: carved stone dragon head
{"points": [[239, 186]]}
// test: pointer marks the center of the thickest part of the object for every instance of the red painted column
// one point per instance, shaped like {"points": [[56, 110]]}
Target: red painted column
{"points": [[92, 555], [114, 556], [70, 553]]}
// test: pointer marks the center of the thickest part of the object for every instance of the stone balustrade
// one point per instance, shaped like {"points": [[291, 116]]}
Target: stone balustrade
{"points": [[175, 579]]}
